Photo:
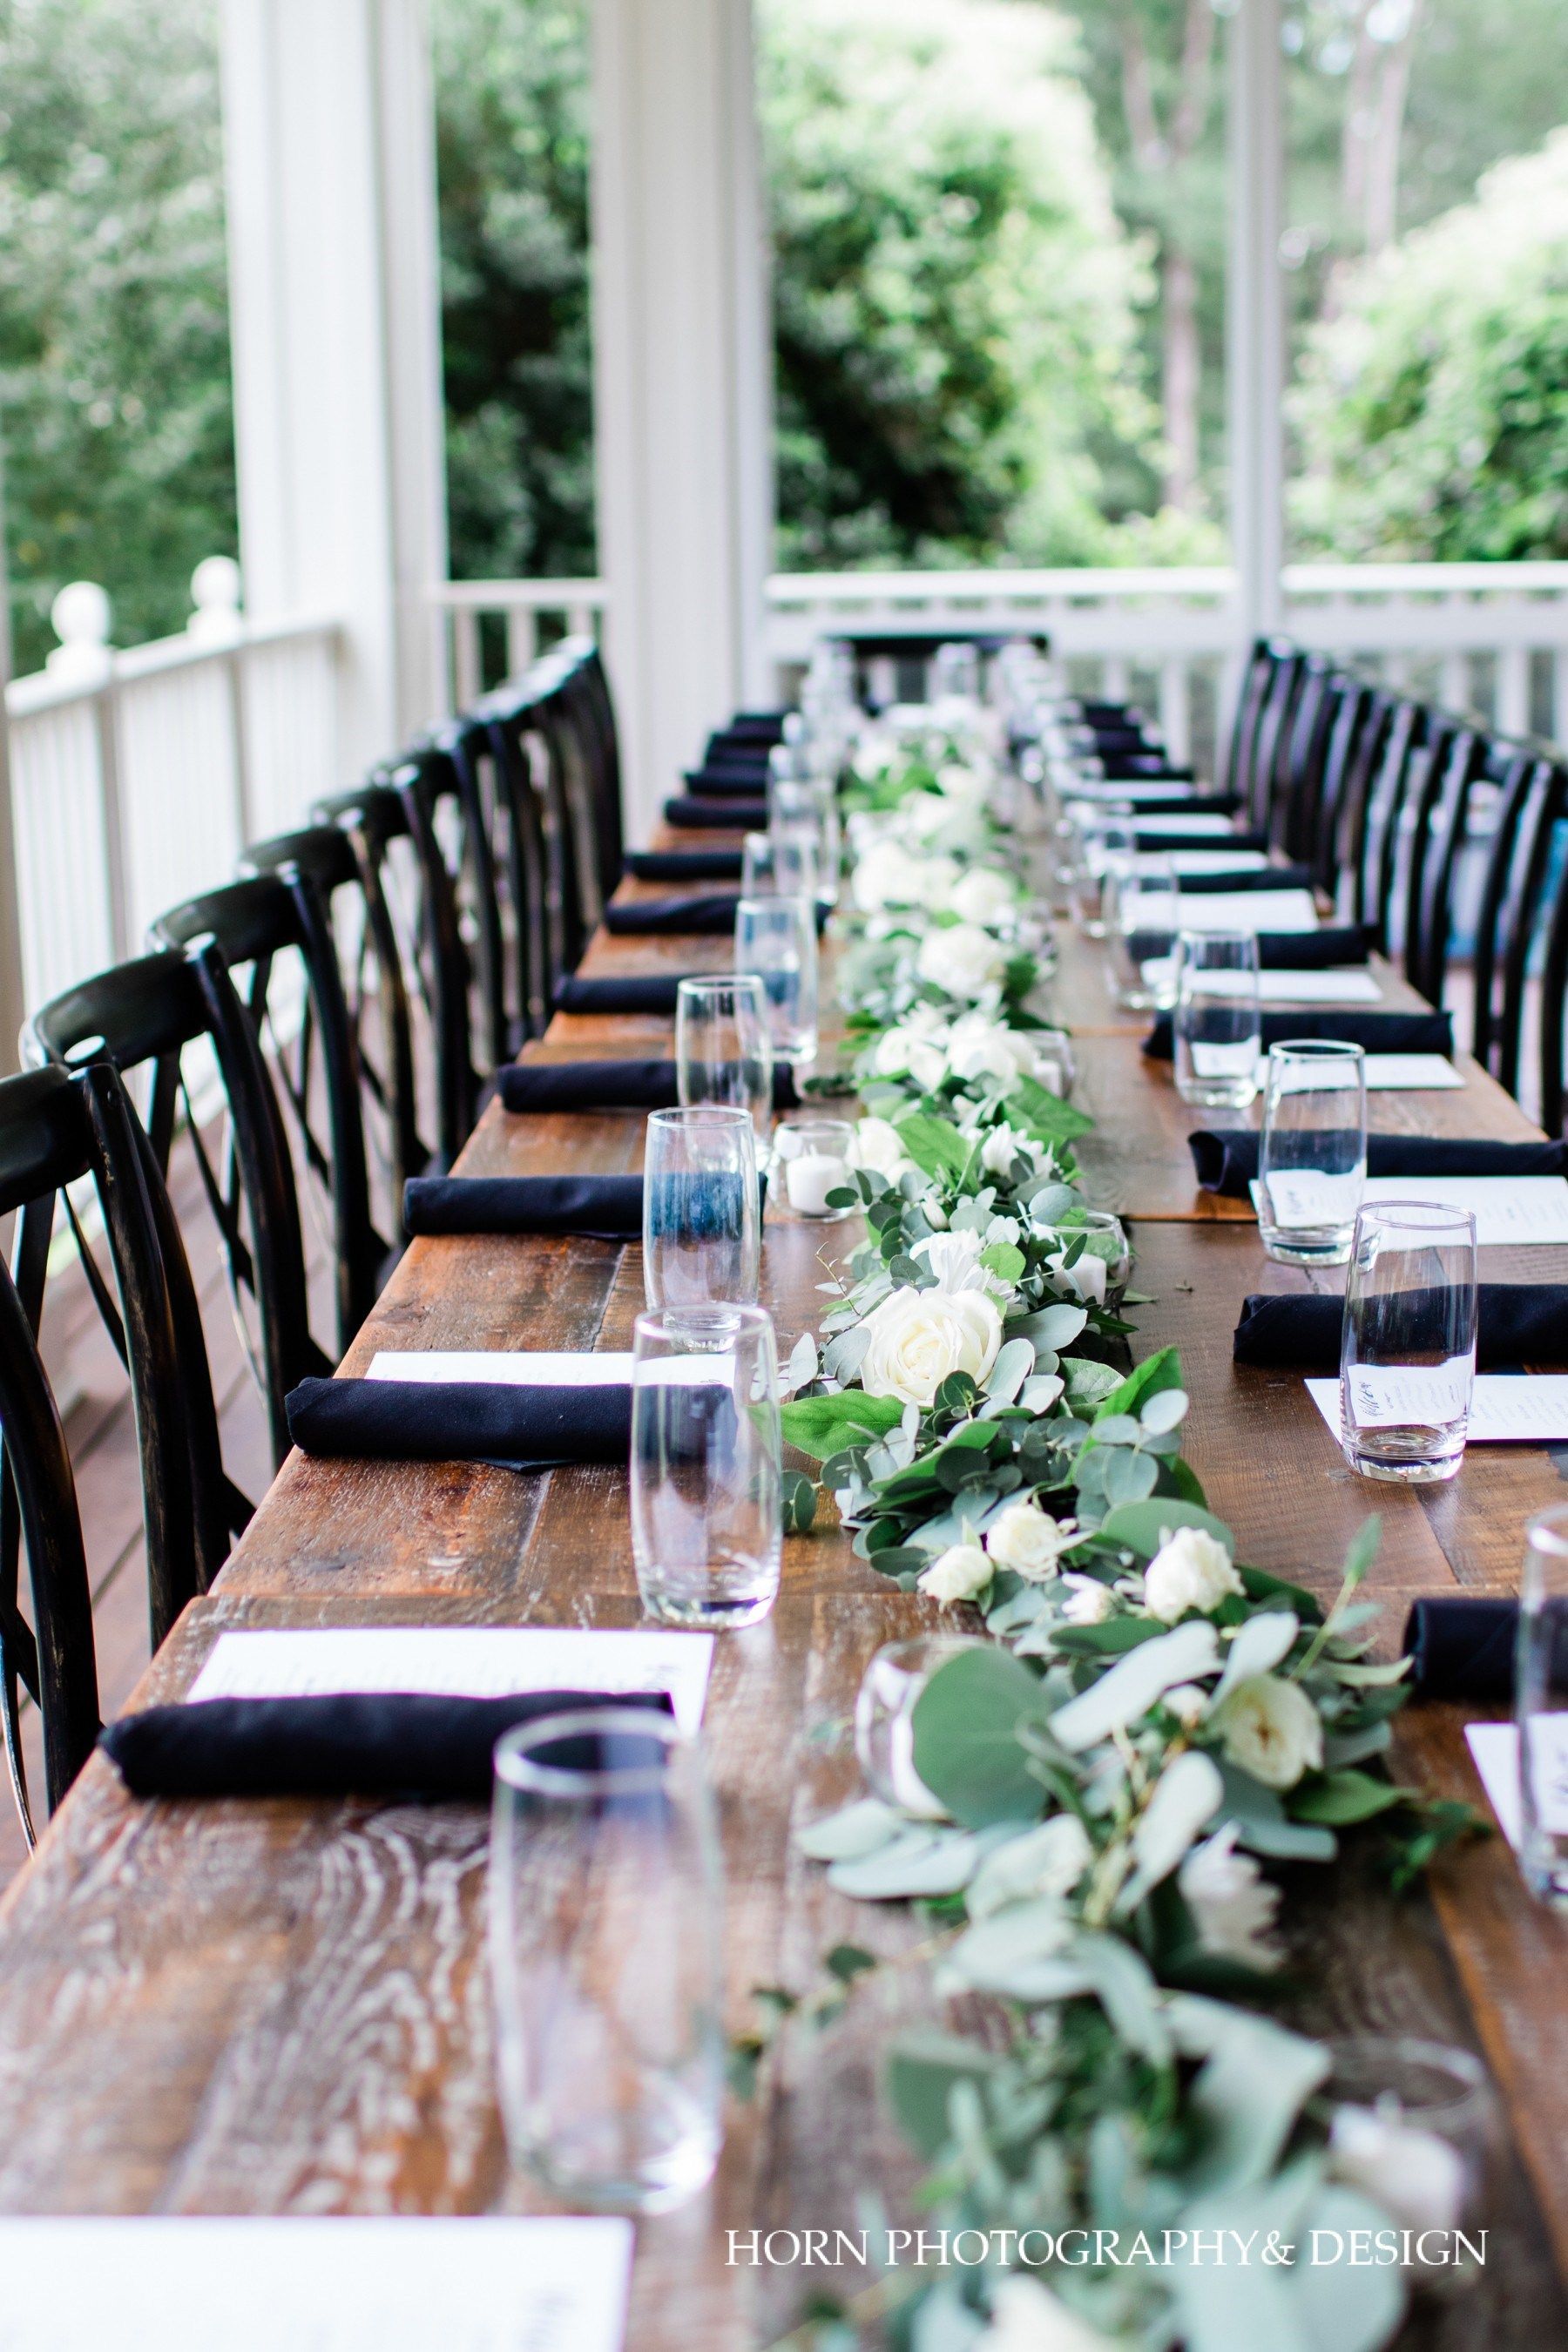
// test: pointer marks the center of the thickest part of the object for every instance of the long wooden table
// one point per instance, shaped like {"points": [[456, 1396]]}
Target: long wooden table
{"points": [[282, 2007]]}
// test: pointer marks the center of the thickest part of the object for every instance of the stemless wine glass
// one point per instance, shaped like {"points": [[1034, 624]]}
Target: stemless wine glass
{"points": [[1540, 1706], [1103, 841], [723, 1053], [1218, 1025], [707, 1516], [808, 809], [605, 1901], [1408, 1349], [775, 938], [778, 865], [1311, 1155], [701, 1211], [1141, 907]]}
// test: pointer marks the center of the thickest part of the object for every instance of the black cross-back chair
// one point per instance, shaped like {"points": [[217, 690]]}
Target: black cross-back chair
{"points": [[57, 1128], [1301, 760], [1407, 818], [1271, 740], [274, 927], [375, 988], [1514, 912], [148, 1015], [1352, 706], [1376, 839], [1457, 764], [459, 762], [532, 854], [582, 691], [1266, 655], [419, 933]]}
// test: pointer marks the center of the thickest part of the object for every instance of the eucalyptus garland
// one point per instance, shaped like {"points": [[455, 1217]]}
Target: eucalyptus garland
{"points": [[1096, 1793]]}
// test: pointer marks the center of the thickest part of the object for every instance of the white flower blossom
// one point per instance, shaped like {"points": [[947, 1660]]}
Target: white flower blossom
{"points": [[958, 1574], [1234, 1906], [1029, 1541], [979, 1048], [879, 1148], [916, 1338], [1188, 1703], [911, 1050], [1003, 1229], [962, 960], [1272, 1729], [985, 895], [1003, 1145], [1191, 1569], [1026, 2317], [951, 1258], [1089, 1603], [1047, 1860], [1416, 2177]]}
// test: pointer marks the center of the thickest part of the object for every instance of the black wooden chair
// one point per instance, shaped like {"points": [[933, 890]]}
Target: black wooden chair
{"points": [[275, 937], [1515, 912], [534, 850], [464, 797], [1354, 705], [1257, 676], [1265, 783], [1301, 760], [1436, 834], [1374, 845], [176, 1018], [57, 1129]]}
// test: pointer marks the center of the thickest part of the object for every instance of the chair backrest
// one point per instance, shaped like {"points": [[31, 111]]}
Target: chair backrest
{"points": [[148, 1015], [465, 793], [1272, 737], [1266, 653], [1514, 910], [1437, 839], [275, 937], [1301, 759], [584, 692], [1351, 705], [530, 856], [439, 825], [1377, 833], [56, 1129]]}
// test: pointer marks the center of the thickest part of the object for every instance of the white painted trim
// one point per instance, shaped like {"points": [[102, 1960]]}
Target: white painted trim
{"points": [[1255, 318]]}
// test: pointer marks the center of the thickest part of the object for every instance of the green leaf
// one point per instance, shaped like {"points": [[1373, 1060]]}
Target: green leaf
{"points": [[847, 1962], [922, 2071], [1001, 1258], [1340, 1799], [1161, 1371], [821, 1426], [1045, 1114], [798, 1497], [933, 1144], [1143, 1527], [966, 1748], [854, 1830]]}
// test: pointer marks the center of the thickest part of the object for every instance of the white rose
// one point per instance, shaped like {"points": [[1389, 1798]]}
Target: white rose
{"points": [[961, 960], [959, 1572], [936, 879], [1029, 1541], [951, 1258], [925, 813], [908, 1051], [1190, 1570], [985, 896], [1028, 2317], [979, 1048], [1003, 1145], [964, 785], [917, 1338], [1089, 1603], [885, 875], [1233, 1905], [879, 1148], [1416, 2177], [1188, 1703], [1272, 1731]]}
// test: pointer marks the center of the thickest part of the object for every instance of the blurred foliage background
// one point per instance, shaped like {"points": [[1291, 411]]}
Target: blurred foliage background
{"points": [[999, 232]]}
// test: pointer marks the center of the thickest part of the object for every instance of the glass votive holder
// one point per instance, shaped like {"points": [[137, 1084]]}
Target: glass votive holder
{"points": [[1413, 2126], [1055, 1067], [885, 1719], [811, 1161], [1102, 1269]]}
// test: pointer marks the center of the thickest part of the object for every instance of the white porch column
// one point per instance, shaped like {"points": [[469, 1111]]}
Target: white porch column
{"points": [[682, 375], [1256, 317], [334, 292]]}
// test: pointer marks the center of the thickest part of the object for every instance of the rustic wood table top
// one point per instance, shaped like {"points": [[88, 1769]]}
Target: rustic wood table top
{"points": [[282, 2005]]}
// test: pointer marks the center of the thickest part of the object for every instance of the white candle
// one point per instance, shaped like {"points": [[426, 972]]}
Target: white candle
{"points": [[809, 1179]]}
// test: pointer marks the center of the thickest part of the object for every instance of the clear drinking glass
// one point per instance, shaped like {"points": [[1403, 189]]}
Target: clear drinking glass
{"points": [[1055, 1066], [606, 1902], [723, 1053], [808, 809], [1100, 843], [775, 938], [778, 865], [1540, 1706], [1414, 2125], [707, 1514], [1141, 906], [701, 1210], [811, 1160], [1311, 1155], [1218, 1025], [884, 1719], [1408, 1350]]}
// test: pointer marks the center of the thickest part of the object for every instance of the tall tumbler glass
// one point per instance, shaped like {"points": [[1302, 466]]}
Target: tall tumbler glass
{"points": [[778, 865], [606, 1915], [1218, 1025], [707, 1515], [1311, 1155], [701, 1209], [808, 809], [1141, 906], [723, 1053], [1407, 1349], [1540, 1706], [1102, 840], [775, 938]]}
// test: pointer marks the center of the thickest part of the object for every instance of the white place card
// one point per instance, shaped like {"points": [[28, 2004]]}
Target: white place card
{"points": [[1494, 1747], [1279, 987], [1190, 827], [1184, 861], [459, 1662], [322, 2285], [515, 1367], [1230, 910], [1506, 1408], [1138, 788], [1421, 1074], [1506, 1208]]}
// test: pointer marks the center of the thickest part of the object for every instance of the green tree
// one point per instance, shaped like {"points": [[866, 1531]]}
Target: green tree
{"points": [[114, 378], [1433, 407]]}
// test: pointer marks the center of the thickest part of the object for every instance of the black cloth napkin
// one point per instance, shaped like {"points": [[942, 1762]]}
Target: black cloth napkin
{"points": [[1151, 837], [609, 1086], [500, 1422], [1326, 950], [685, 864], [629, 992], [1226, 1158], [1185, 797], [427, 1744], [599, 1208], [1518, 1323], [1139, 767], [736, 778], [691, 814], [1461, 1646], [711, 913], [1246, 878], [1379, 1033]]}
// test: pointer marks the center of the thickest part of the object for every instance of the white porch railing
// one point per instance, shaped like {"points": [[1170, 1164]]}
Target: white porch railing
{"points": [[137, 777], [515, 608]]}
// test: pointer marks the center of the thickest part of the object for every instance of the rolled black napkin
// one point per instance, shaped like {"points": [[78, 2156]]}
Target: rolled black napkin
{"points": [[1152, 837], [425, 1745], [1247, 877], [498, 1422], [1324, 949], [1226, 1158], [1461, 1646], [685, 864], [598, 1208], [735, 781], [713, 913], [646, 993], [609, 1086], [1518, 1323], [1179, 796], [1140, 767], [695, 815], [1379, 1033]]}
